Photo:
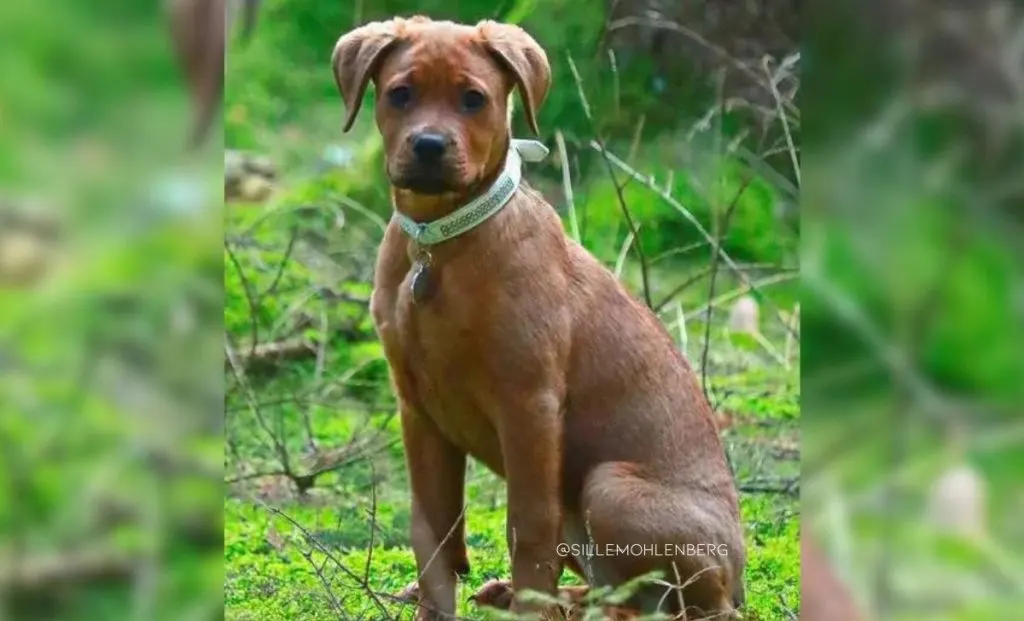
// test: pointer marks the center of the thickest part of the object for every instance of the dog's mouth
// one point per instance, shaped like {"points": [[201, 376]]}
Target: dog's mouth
{"points": [[429, 180], [423, 184]]}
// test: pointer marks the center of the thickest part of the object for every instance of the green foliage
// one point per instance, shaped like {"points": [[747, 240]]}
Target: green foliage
{"points": [[773, 561]]}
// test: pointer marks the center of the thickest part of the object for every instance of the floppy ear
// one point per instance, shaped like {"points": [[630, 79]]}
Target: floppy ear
{"points": [[525, 58], [357, 56]]}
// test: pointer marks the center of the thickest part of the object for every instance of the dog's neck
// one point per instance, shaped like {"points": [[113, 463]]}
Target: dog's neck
{"points": [[432, 207], [430, 220]]}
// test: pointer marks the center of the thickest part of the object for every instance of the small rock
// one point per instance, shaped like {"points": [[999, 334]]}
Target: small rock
{"points": [[24, 258], [256, 189], [956, 502], [744, 316], [261, 165], [234, 165]]}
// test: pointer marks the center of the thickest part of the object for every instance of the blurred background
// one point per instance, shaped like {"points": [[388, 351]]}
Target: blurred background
{"points": [[110, 321], [673, 130], [913, 307]]}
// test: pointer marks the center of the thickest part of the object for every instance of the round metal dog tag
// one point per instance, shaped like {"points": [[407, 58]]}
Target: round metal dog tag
{"points": [[422, 280], [422, 283]]}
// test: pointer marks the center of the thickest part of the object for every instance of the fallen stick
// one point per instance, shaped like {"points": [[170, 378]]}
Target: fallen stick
{"points": [[40, 572]]}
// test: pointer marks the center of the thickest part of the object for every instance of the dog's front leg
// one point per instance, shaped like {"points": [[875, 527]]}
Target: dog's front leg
{"points": [[531, 439], [437, 471]]}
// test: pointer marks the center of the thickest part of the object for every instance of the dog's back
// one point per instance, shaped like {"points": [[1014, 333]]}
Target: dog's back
{"points": [[628, 378], [638, 427]]}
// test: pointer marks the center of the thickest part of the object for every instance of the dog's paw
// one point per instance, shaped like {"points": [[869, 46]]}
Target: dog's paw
{"points": [[495, 594], [411, 593]]}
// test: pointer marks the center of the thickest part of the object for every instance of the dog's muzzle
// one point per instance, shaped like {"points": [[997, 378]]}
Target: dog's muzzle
{"points": [[426, 171]]}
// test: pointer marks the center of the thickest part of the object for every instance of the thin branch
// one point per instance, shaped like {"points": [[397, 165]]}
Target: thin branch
{"points": [[326, 462], [361, 582], [722, 228], [250, 298], [660, 306], [284, 262], [373, 522], [239, 374], [794, 158], [787, 487], [618, 187]]}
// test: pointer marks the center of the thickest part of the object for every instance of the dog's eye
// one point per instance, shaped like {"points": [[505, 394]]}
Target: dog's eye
{"points": [[400, 96], [473, 100]]}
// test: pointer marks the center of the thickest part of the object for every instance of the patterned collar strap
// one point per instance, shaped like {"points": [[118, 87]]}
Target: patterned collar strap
{"points": [[484, 206]]}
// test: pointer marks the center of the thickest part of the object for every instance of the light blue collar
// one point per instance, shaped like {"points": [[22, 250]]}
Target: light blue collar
{"points": [[482, 207]]}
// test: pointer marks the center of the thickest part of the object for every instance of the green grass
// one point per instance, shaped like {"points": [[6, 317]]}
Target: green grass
{"points": [[272, 562]]}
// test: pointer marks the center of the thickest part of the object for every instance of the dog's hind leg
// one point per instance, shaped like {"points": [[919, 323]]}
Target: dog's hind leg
{"points": [[691, 535]]}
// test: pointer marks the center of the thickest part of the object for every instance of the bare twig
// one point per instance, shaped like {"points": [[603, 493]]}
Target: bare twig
{"points": [[788, 487], [312, 539], [250, 298], [618, 186], [284, 262], [373, 522], [682, 287], [722, 229], [794, 158], [361, 582], [326, 461], [250, 396], [786, 607]]}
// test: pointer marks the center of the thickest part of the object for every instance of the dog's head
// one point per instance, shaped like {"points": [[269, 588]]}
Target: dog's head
{"points": [[443, 95]]}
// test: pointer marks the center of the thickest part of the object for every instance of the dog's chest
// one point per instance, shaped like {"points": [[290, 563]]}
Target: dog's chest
{"points": [[444, 360]]}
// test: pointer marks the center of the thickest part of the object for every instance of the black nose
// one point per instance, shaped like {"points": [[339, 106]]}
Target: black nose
{"points": [[429, 147]]}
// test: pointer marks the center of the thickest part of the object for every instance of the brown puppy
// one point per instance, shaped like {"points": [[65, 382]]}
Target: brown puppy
{"points": [[528, 355]]}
